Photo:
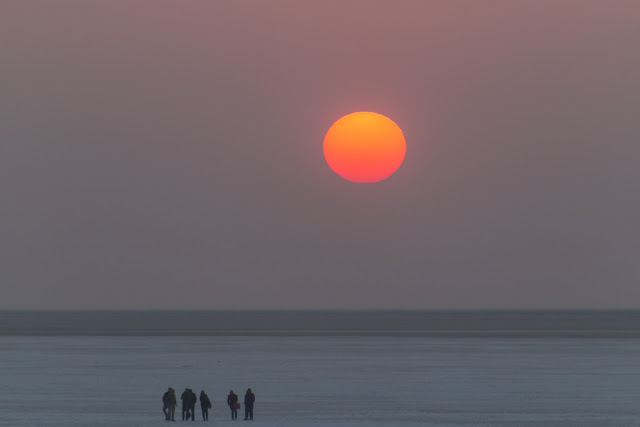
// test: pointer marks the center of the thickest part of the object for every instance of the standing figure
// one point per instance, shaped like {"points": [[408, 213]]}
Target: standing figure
{"points": [[165, 404], [171, 403], [232, 401], [205, 404], [192, 405], [249, 398], [186, 398]]}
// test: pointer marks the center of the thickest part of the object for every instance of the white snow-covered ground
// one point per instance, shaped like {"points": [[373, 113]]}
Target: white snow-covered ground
{"points": [[323, 381]]}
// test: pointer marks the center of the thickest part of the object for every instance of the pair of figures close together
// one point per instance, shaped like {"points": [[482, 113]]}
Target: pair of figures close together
{"points": [[234, 405]]}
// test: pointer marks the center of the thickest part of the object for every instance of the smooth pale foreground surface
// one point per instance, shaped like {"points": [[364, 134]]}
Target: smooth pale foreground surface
{"points": [[324, 381], [364, 147]]}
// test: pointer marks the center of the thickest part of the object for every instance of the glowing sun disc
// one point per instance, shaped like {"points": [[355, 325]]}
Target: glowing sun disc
{"points": [[364, 147]]}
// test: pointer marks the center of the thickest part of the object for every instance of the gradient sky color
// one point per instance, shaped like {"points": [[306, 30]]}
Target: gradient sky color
{"points": [[160, 154]]}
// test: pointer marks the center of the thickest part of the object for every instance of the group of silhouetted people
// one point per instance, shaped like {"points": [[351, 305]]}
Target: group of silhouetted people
{"points": [[189, 400]]}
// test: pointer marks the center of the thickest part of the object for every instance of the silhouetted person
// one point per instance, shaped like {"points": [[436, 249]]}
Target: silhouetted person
{"points": [[192, 405], [205, 404], [171, 403], [249, 398], [165, 404], [186, 400], [232, 401]]}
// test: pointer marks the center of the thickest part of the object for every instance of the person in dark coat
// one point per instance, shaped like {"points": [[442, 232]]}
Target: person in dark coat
{"points": [[232, 400], [205, 404], [171, 403], [186, 400], [165, 404], [192, 404], [249, 398]]}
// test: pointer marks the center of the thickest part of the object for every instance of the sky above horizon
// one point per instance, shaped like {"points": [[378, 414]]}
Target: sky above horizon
{"points": [[160, 154]]}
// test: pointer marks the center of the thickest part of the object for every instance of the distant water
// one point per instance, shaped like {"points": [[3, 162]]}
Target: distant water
{"points": [[324, 369], [323, 323]]}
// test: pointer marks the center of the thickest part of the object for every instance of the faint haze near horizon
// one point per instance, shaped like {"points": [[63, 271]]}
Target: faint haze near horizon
{"points": [[159, 154]]}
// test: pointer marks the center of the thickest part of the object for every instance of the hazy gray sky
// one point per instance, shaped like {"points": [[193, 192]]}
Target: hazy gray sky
{"points": [[164, 154]]}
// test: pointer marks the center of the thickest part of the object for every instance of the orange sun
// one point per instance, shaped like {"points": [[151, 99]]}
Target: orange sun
{"points": [[364, 147]]}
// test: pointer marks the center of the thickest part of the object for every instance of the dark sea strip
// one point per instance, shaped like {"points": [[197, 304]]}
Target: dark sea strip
{"points": [[323, 323]]}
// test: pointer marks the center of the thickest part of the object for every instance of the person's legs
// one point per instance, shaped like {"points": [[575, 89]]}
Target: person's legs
{"points": [[165, 411], [251, 413], [172, 412]]}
